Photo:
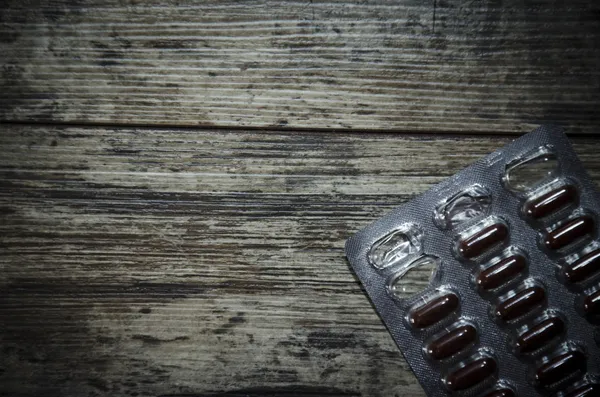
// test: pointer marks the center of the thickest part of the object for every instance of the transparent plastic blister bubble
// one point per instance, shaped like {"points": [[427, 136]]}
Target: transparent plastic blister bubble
{"points": [[399, 245], [531, 169], [471, 203], [413, 277], [490, 281]]}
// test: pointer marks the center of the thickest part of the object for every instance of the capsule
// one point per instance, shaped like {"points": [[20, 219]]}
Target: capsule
{"points": [[540, 335], [583, 268], [434, 311], [471, 374], [452, 342], [551, 202], [560, 367], [500, 393], [482, 241], [570, 232], [591, 304], [589, 390], [520, 304], [501, 272]]}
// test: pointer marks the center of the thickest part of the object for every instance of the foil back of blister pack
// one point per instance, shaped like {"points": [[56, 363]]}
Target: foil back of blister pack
{"points": [[509, 258]]}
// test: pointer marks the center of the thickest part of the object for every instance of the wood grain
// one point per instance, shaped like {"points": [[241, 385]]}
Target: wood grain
{"points": [[410, 65], [145, 261]]}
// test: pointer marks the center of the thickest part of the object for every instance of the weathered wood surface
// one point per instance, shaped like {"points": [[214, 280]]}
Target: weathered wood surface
{"points": [[408, 65], [144, 262]]}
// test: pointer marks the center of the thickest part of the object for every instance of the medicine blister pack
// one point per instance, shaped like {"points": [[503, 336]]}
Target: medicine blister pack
{"points": [[503, 297]]}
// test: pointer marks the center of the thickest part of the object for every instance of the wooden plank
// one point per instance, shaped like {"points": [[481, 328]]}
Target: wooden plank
{"points": [[409, 65], [168, 261]]}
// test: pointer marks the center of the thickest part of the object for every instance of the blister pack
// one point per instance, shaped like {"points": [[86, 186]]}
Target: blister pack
{"points": [[506, 301]]}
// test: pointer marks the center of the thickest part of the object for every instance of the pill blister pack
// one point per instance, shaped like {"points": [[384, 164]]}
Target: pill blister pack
{"points": [[489, 282]]}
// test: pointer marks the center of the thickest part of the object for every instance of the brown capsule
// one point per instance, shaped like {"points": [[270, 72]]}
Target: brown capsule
{"points": [[560, 367], [482, 241], [584, 267], [452, 342], [501, 272], [589, 390], [570, 232], [520, 304], [434, 311], [471, 374], [551, 202], [591, 304], [501, 393], [540, 335]]}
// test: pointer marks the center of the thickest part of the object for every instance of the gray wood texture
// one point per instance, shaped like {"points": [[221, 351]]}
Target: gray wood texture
{"points": [[145, 261], [404, 65]]}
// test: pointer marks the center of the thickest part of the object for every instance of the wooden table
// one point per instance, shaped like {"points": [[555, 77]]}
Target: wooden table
{"points": [[177, 180]]}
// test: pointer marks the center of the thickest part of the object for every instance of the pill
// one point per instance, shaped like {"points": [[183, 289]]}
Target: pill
{"points": [[560, 367], [584, 267], [471, 374], [434, 311], [501, 393], [501, 272], [591, 304], [540, 335], [570, 232], [452, 342], [520, 304], [590, 390], [482, 241], [551, 202]]}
